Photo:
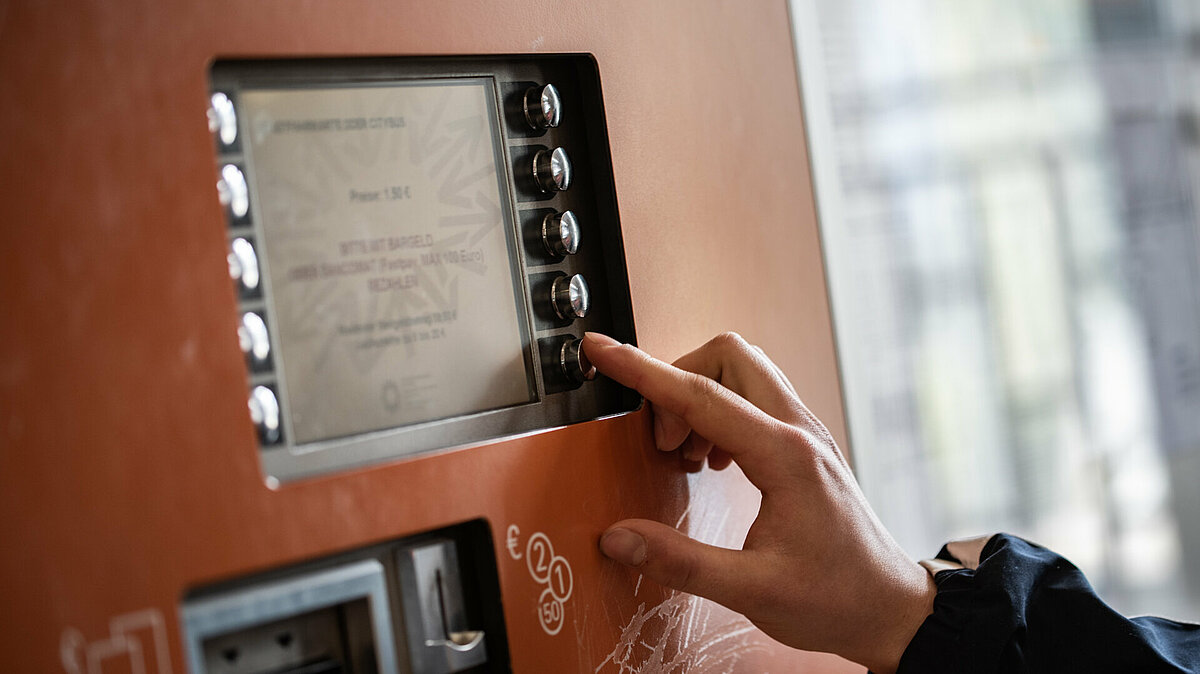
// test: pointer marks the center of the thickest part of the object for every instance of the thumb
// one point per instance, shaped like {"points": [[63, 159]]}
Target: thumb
{"points": [[669, 558]]}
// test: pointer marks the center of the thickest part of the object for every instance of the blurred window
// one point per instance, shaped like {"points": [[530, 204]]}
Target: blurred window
{"points": [[1007, 193]]}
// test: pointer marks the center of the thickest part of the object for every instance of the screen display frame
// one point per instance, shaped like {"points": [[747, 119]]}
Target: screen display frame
{"points": [[601, 258], [287, 390]]}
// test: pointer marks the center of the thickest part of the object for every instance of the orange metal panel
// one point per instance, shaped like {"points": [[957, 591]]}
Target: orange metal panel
{"points": [[128, 466]]}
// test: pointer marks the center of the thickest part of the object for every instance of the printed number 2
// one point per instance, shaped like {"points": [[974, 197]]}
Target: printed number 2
{"points": [[539, 557], [540, 548]]}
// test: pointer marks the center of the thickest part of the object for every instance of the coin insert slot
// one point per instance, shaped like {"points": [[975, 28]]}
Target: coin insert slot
{"points": [[436, 617]]}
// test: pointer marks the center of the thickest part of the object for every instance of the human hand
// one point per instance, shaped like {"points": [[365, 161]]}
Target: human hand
{"points": [[818, 570]]}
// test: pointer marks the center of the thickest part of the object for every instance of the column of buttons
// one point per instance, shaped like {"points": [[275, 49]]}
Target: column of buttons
{"points": [[566, 295], [254, 339]]}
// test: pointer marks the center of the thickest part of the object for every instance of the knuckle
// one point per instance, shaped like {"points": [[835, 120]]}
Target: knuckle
{"points": [[729, 340], [806, 450], [797, 438], [816, 456], [736, 354]]}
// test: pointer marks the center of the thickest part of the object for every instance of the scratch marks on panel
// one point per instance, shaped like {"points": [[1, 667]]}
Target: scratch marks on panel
{"points": [[685, 634], [687, 640]]}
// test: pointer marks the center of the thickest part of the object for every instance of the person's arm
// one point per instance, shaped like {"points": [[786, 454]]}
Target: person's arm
{"points": [[1007, 605], [818, 571]]}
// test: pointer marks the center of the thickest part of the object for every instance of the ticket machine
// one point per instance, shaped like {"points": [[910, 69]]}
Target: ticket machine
{"points": [[291, 377]]}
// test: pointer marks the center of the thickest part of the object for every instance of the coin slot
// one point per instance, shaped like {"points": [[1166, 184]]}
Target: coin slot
{"points": [[436, 616]]}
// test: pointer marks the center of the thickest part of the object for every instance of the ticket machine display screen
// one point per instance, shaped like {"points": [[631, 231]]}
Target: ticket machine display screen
{"points": [[417, 246], [387, 242]]}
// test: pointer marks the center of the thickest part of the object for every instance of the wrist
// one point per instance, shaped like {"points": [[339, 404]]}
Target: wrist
{"points": [[902, 619]]}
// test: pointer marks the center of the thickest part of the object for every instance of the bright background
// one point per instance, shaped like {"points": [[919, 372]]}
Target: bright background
{"points": [[1007, 191]]}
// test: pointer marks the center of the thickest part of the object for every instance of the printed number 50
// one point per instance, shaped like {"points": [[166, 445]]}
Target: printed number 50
{"points": [[550, 612]]}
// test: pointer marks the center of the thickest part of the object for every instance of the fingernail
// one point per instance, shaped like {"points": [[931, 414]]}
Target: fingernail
{"points": [[600, 339], [624, 546]]}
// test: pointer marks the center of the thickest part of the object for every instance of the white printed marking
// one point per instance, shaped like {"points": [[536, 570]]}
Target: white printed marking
{"points": [[550, 612], [68, 650], [125, 641], [549, 569], [538, 555], [561, 580], [513, 534], [116, 647]]}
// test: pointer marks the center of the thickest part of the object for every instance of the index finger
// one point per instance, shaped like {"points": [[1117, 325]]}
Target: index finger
{"points": [[755, 439]]}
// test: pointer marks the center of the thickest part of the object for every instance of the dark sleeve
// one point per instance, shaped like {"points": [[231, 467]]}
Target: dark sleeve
{"points": [[1026, 609]]}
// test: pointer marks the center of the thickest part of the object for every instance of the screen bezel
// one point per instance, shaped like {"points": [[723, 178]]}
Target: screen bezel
{"points": [[593, 195], [508, 213]]}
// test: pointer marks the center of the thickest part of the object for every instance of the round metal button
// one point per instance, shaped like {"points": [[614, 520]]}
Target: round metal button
{"points": [[543, 107], [233, 192], [243, 265], [570, 297], [254, 340], [264, 412], [560, 233], [222, 118], [575, 363], [552, 170]]}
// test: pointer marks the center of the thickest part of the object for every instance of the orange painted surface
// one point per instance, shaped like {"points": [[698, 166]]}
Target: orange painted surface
{"points": [[128, 467]]}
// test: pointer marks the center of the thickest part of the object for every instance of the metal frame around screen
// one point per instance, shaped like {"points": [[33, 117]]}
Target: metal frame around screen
{"points": [[593, 194]]}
